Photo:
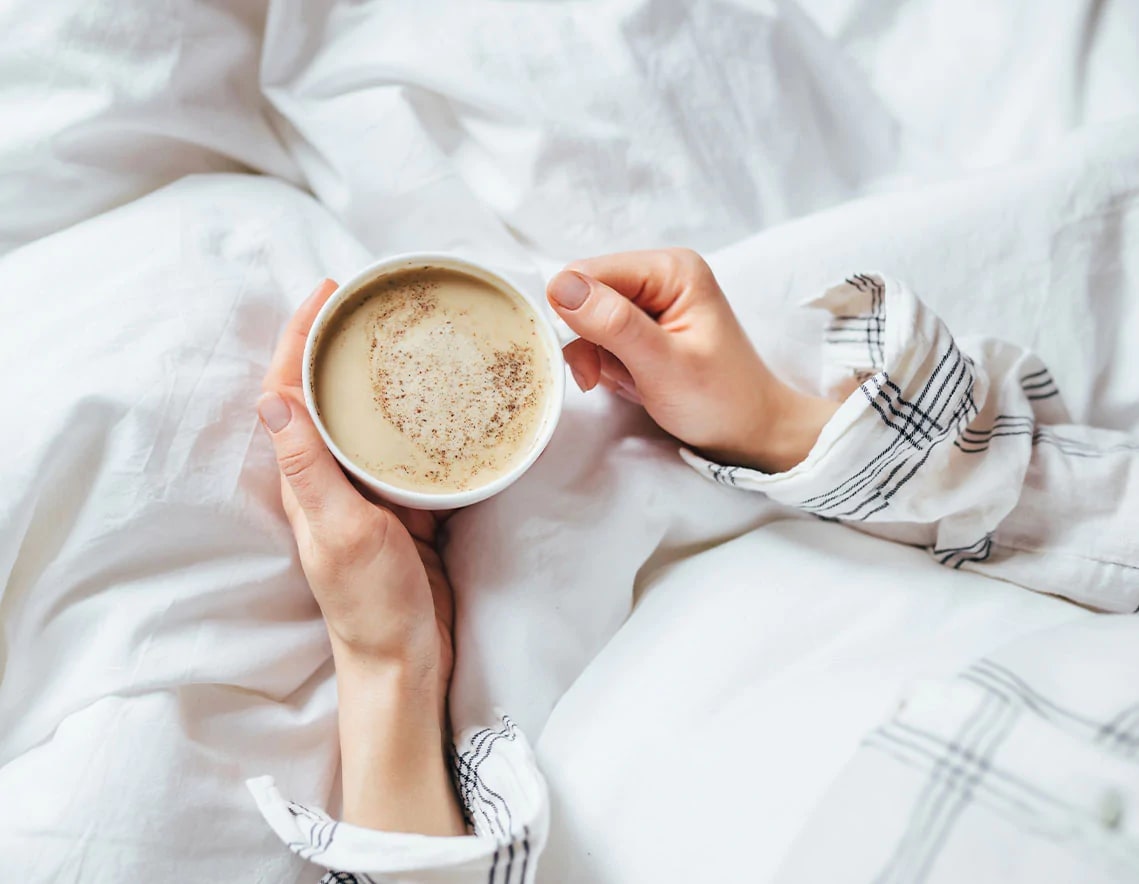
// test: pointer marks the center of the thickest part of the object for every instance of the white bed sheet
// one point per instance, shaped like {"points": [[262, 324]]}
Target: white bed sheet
{"points": [[158, 643]]}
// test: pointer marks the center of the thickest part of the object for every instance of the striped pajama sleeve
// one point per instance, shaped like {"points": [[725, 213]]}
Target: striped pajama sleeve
{"points": [[964, 448], [504, 800]]}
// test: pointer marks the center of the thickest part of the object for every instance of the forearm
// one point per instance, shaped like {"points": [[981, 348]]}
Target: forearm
{"points": [[393, 757]]}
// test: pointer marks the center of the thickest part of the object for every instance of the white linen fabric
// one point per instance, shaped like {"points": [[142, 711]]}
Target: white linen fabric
{"points": [[548, 130], [105, 101], [670, 644], [997, 82], [954, 447]]}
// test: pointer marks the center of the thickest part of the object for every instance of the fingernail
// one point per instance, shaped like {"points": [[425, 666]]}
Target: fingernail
{"points": [[578, 379], [274, 412], [316, 291], [630, 392], [569, 289]]}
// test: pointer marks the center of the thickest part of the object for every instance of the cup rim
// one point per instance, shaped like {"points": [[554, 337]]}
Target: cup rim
{"points": [[445, 499]]}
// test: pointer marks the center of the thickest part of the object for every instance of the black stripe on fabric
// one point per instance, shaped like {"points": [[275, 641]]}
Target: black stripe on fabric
{"points": [[916, 756], [907, 429], [870, 473], [1000, 422], [978, 551], [1042, 396], [982, 556], [974, 441], [833, 340], [960, 767], [945, 766], [995, 677], [958, 791], [873, 322], [879, 494], [1122, 732], [925, 418], [979, 446], [307, 812], [1039, 385], [870, 489], [474, 787], [1009, 425], [466, 787], [961, 413], [878, 308], [998, 783], [481, 785], [723, 475], [1079, 448], [320, 831], [320, 838], [493, 866], [860, 326], [996, 773], [471, 792], [955, 549], [509, 862], [457, 777], [525, 854], [826, 499], [1035, 374]]}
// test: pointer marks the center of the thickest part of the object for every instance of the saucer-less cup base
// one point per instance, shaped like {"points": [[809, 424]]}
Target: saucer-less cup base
{"points": [[443, 500]]}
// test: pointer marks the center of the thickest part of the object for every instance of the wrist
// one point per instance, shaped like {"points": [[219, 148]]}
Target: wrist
{"points": [[778, 432], [376, 681]]}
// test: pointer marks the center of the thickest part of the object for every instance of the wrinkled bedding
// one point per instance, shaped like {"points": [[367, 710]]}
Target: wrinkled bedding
{"points": [[173, 180]]}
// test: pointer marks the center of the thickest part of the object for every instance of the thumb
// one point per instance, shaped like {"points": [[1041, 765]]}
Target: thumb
{"points": [[307, 465], [607, 318]]}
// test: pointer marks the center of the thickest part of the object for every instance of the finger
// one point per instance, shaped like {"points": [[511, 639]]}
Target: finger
{"points": [[314, 477], [601, 315], [653, 280], [285, 367], [584, 362], [629, 394], [614, 369], [289, 502], [442, 594], [618, 380], [420, 524]]}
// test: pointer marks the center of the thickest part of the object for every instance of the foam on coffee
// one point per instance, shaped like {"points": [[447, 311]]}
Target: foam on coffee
{"points": [[432, 380]]}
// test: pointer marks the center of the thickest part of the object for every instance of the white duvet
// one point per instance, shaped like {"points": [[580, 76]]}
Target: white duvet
{"points": [[158, 642]]}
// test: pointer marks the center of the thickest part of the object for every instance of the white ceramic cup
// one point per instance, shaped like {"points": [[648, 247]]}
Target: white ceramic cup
{"points": [[444, 499]]}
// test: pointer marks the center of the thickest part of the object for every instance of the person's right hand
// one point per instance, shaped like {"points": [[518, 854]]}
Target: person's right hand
{"points": [[656, 329]]}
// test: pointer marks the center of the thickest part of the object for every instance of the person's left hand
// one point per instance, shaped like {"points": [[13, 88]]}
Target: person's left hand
{"points": [[374, 570]]}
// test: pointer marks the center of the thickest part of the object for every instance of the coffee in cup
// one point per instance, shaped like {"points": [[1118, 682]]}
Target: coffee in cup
{"points": [[434, 378]]}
